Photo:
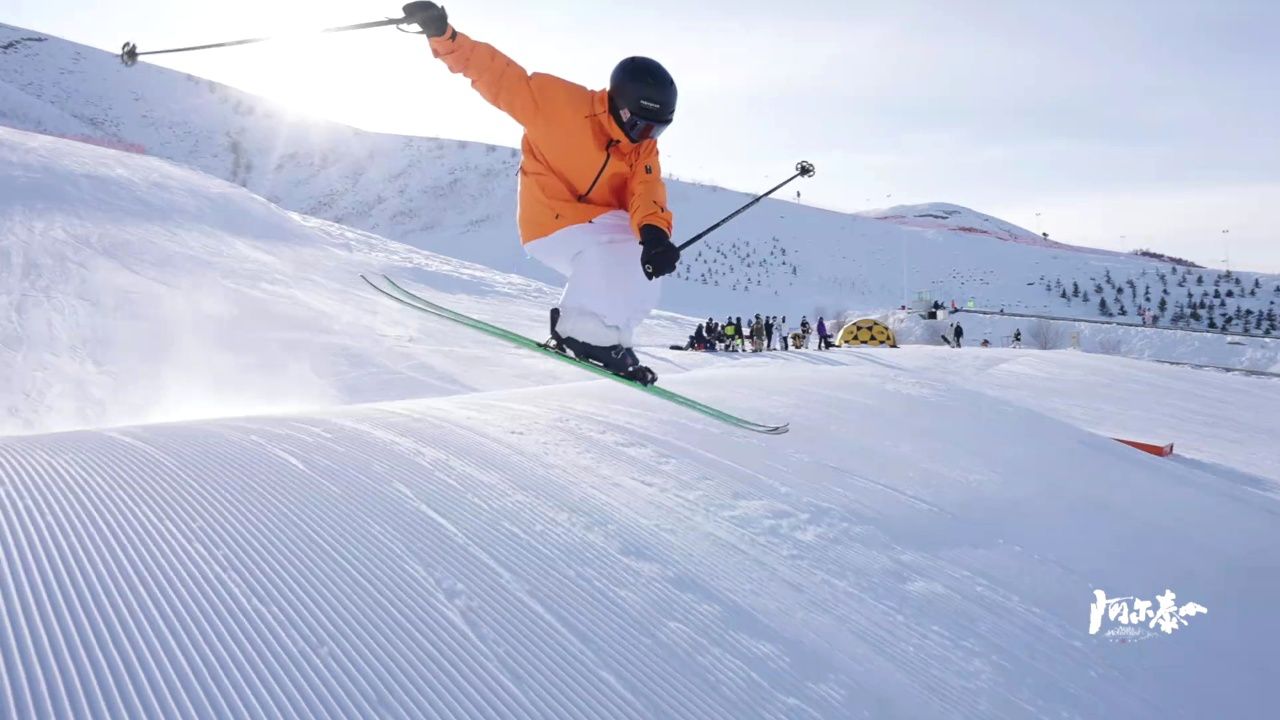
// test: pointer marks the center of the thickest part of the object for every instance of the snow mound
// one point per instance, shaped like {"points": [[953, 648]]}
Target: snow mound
{"points": [[911, 549]]}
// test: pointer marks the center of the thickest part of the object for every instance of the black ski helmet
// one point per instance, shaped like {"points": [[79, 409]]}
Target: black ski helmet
{"points": [[642, 98]]}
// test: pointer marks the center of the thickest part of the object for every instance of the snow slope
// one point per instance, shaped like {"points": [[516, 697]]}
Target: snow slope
{"points": [[415, 524], [458, 199], [135, 290]]}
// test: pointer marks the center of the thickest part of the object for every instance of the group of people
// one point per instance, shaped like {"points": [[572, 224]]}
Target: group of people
{"points": [[763, 332]]}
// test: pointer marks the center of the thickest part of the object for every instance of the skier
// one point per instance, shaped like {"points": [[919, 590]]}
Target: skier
{"points": [[959, 333], [824, 342], [784, 338], [1017, 337], [769, 323], [805, 331], [590, 186]]}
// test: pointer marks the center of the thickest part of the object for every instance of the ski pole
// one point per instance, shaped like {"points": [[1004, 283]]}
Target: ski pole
{"points": [[803, 169], [129, 51]]}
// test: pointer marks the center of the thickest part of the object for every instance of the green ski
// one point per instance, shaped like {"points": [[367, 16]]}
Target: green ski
{"points": [[409, 299]]}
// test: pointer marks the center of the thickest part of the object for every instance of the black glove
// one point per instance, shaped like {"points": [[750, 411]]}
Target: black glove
{"points": [[429, 16], [660, 255]]}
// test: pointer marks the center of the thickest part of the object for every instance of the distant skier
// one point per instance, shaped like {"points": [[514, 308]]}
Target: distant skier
{"points": [[958, 333], [805, 331], [1017, 338], [769, 324], [590, 186]]}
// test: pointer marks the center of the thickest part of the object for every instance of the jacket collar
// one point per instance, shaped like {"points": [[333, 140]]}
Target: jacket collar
{"points": [[600, 112]]}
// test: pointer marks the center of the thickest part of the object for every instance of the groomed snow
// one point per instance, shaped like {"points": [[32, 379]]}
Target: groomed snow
{"points": [[492, 535]]}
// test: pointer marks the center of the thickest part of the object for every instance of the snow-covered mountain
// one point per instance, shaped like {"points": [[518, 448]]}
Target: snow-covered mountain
{"points": [[458, 199], [491, 535]]}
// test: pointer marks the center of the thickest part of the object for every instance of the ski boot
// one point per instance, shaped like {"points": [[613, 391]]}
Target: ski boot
{"points": [[619, 360]]}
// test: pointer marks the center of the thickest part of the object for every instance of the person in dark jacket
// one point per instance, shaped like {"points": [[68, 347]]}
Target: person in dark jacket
{"points": [[959, 333], [742, 335], [1017, 338], [824, 338], [768, 333]]}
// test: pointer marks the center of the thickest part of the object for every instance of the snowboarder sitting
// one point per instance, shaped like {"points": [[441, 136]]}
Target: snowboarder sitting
{"points": [[698, 340], [590, 187]]}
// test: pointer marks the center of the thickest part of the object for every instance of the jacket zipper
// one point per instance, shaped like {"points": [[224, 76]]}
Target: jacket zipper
{"points": [[608, 146]]}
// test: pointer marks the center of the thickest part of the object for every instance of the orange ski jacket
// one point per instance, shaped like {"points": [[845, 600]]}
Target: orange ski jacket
{"points": [[577, 162]]}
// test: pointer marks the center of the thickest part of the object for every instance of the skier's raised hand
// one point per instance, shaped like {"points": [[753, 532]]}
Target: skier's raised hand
{"points": [[659, 255], [429, 16]]}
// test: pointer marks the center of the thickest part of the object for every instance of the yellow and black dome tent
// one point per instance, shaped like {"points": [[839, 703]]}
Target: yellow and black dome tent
{"points": [[867, 331]]}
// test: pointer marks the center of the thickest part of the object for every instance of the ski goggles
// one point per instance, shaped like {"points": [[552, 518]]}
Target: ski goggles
{"points": [[639, 128]]}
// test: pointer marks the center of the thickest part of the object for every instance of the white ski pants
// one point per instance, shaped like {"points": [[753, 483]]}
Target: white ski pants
{"points": [[607, 295]]}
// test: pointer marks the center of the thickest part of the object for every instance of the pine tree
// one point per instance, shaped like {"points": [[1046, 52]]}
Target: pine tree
{"points": [[1075, 289], [1163, 306], [1212, 325], [1196, 317], [1103, 310], [1200, 280], [1084, 297], [1120, 309], [1217, 293], [1231, 293], [1064, 295]]}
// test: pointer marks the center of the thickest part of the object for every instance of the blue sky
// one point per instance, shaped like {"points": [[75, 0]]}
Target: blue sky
{"points": [[1123, 124]]}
